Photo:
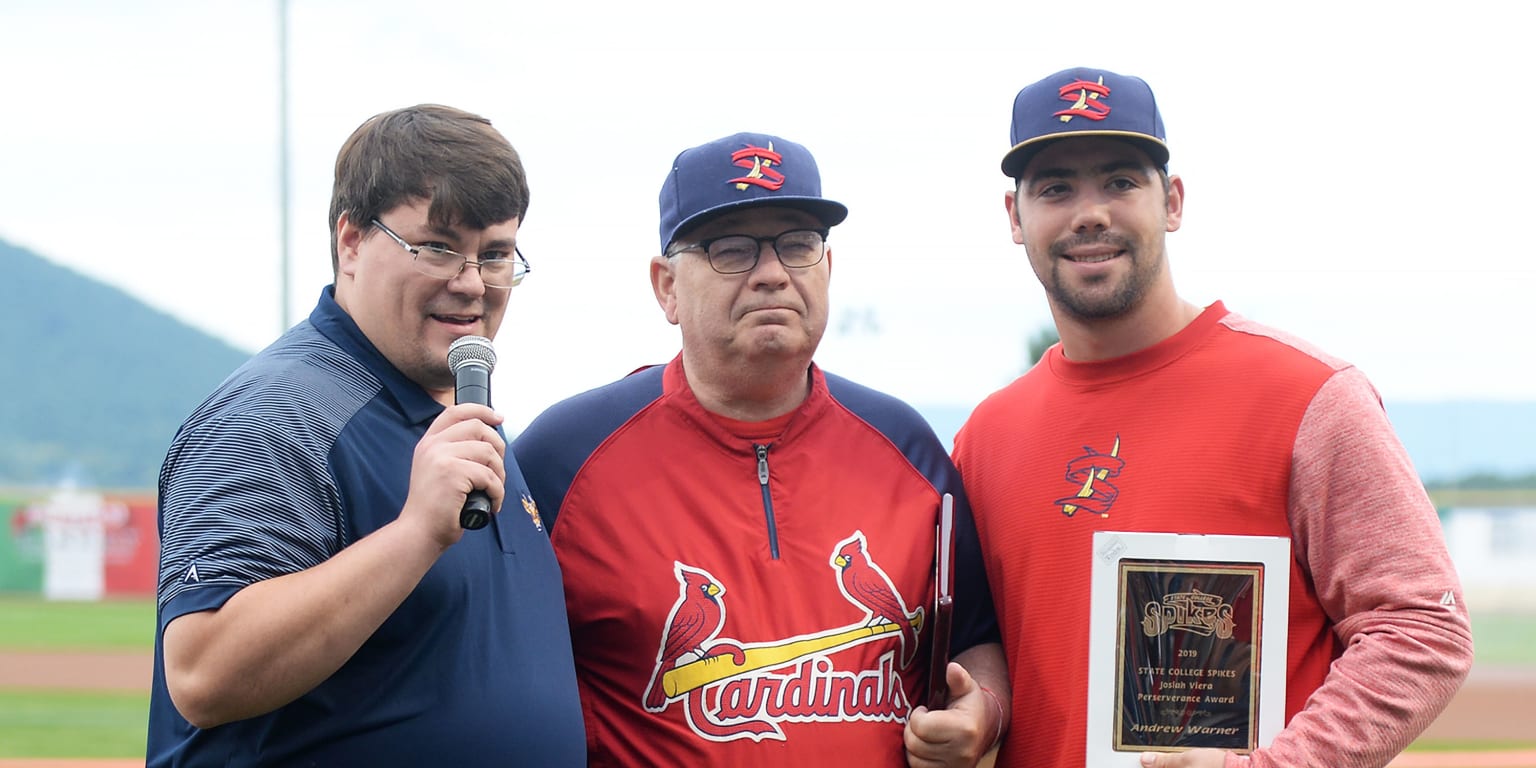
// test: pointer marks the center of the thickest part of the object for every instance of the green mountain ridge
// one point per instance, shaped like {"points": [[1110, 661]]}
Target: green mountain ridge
{"points": [[95, 382]]}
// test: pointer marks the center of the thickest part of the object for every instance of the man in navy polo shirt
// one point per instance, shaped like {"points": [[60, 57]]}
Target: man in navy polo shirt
{"points": [[319, 602]]}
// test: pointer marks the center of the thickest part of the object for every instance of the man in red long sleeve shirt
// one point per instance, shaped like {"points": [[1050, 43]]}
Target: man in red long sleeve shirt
{"points": [[1191, 420]]}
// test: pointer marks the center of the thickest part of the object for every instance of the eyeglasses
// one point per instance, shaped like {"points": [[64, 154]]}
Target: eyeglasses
{"points": [[497, 270], [735, 254]]}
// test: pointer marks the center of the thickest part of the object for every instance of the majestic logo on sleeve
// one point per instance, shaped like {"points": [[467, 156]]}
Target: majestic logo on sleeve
{"points": [[1087, 100], [761, 161], [733, 690], [1090, 473]]}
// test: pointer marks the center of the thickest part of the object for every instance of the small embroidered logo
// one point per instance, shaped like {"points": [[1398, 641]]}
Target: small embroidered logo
{"points": [[761, 162], [533, 511], [1087, 100], [1091, 472]]}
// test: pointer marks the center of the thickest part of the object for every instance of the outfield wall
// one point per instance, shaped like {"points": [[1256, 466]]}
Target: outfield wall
{"points": [[78, 544], [1493, 548], [73, 544]]}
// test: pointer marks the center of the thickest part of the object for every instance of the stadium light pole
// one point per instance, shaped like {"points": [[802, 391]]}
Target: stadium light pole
{"points": [[282, 163]]}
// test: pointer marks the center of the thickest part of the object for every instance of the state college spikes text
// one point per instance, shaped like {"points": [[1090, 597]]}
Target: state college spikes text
{"points": [[731, 689]]}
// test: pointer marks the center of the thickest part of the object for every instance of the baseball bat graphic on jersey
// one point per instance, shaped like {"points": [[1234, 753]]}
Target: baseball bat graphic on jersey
{"points": [[713, 669]]}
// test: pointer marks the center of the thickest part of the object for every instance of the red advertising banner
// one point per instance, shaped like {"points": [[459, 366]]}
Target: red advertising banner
{"points": [[132, 546]]}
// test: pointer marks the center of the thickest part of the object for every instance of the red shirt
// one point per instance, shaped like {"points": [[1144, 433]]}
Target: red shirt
{"points": [[1225, 428]]}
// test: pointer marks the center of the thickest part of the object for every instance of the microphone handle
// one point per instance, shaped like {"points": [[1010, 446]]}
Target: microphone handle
{"points": [[476, 512], [473, 385]]}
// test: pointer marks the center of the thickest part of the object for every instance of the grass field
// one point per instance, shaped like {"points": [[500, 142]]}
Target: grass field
{"points": [[34, 624], [37, 723], [1504, 638], [1446, 498], [69, 724], [44, 723]]}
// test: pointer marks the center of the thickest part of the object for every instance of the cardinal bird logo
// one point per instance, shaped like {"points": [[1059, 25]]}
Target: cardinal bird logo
{"points": [[696, 618], [867, 586], [725, 689]]}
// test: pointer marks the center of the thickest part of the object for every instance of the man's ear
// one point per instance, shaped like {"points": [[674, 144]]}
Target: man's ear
{"points": [[664, 283], [1010, 200], [349, 240], [1175, 203]]}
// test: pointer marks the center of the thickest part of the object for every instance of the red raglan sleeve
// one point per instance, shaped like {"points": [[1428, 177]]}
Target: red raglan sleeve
{"points": [[1368, 535]]}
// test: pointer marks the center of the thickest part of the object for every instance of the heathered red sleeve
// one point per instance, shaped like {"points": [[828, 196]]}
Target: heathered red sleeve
{"points": [[1367, 534]]}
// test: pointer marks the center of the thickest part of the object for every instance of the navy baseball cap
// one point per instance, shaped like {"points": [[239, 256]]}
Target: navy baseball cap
{"points": [[744, 170], [1084, 102]]}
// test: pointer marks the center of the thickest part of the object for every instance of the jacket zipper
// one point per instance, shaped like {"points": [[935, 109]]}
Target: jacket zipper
{"points": [[762, 481]]}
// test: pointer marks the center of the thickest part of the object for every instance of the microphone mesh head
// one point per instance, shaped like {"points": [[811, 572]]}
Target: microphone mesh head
{"points": [[471, 349]]}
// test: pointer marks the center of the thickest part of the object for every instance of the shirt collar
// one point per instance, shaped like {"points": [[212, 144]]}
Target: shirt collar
{"points": [[335, 324]]}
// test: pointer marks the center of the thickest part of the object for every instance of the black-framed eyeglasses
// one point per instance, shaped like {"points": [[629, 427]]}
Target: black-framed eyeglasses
{"points": [[735, 254], [497, 269]]}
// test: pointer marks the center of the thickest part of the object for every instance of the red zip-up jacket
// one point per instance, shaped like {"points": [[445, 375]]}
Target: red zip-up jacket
{"points": [[736, 600]]}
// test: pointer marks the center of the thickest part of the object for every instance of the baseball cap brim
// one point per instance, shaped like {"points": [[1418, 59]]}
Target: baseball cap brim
{"points": [[830, 212], [1015, 161]]}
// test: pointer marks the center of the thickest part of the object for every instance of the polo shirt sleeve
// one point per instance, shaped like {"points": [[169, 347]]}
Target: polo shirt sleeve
{"points": [[243, 498]]}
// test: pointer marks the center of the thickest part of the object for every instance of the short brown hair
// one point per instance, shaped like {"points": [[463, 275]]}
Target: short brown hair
{"points": [[455, 159]]}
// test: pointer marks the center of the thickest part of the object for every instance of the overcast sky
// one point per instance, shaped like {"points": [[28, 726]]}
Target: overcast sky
{"points": [[1359, 174]]}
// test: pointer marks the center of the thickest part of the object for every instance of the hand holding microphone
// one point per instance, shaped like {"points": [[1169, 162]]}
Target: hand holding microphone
{"points": [[471, 358]]}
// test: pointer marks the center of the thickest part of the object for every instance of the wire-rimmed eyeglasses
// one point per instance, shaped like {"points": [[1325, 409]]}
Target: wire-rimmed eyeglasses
{"points": [[497, 270], [735, 254]]}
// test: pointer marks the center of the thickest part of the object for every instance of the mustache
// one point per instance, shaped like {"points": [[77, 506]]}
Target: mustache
{"points": [[469, 310], [1060, 247]]}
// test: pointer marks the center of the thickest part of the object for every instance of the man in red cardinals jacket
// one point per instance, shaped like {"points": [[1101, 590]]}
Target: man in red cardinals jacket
{"points": [[747, 542]]}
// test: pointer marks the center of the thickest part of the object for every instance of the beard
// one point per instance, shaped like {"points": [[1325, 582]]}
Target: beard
{"points": [[1100, 297]]}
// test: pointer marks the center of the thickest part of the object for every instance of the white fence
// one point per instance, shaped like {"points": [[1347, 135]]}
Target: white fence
{"points": [[1494, 549]]}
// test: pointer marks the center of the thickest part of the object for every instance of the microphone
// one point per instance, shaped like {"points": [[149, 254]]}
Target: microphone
{"points": [[471, 358]]}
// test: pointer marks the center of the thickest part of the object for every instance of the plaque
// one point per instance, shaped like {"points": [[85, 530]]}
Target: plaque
{"points": [[1180, 644]]}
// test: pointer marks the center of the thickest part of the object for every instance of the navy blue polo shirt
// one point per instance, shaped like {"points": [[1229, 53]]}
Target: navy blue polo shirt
{"points": [[302, 451]]}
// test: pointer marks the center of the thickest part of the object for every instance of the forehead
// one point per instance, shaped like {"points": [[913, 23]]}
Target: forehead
{"points": [[413, 216], [1086, 154], [768, 219]]}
